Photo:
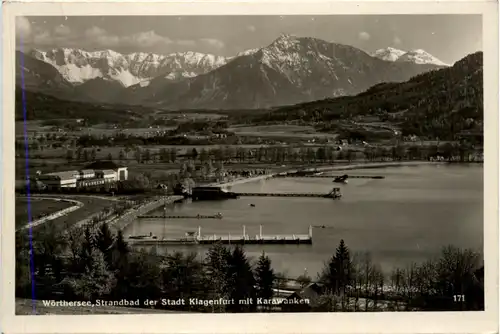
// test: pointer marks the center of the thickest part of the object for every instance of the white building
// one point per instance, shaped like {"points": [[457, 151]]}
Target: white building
{"points": [[121, 171], [60, 179]]}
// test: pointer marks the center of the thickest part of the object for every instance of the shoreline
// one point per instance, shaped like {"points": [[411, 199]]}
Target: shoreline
{"points": [[119, 223], [349, 166], [122, 221]]}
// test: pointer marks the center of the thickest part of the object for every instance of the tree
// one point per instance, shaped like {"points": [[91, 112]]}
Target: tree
{"points": [[138, 155], [337, 274], [242, 281], [173, 155], [321, 154], [456, 275], [127, 151], [79, 153], [140, 279], [121, 155], [104, 242], [194, 153], [85, 155], [96, 282], [23, 266], [141, 181], [182, 276], [93, 154], [69, 155], [87, 247], [48, 247], [217, 271], [164, 156], [264, 277], [75, 239], [147, 155], [349, 155], [344, 266]]}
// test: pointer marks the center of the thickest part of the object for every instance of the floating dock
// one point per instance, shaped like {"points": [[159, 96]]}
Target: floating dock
{"points": [[243, 239], [334, 194]]}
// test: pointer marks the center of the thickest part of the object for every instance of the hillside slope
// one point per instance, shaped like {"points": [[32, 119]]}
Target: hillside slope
{"points": [[439, 104], [40, 106]]}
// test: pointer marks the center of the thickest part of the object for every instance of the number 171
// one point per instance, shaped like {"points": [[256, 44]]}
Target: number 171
{"points": [[458, 298]]}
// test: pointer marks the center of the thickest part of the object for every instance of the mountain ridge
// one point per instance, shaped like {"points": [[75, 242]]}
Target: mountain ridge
{"points": [[289, 70], [436, 104]]}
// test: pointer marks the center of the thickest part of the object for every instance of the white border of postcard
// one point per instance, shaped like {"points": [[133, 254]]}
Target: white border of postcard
{"points": [[388, 322]]}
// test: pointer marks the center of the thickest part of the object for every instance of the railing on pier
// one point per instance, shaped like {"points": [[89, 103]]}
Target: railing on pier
{"points": [[231, 239], [335, 194]]}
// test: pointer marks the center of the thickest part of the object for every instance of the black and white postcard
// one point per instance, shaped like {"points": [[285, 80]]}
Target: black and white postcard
{"points": [[250, 167]]}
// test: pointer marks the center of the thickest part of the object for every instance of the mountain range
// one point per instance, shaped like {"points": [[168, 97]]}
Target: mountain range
{"points": [[289, 70], [435, 104]]}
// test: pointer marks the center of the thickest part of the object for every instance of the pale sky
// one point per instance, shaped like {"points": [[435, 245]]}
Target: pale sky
{"points": [[447, 37]]}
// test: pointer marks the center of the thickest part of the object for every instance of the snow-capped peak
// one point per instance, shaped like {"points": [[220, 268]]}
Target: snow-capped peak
{"points": [[78, 66], [388, 54], [420, 56], [417, 56]]}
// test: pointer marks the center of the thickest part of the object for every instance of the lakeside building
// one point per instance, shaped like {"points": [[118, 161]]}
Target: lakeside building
{"points": [[107, 165], [97, 174]]}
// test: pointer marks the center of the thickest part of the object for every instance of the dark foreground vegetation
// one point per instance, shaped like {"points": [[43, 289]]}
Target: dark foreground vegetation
{"points": [[89, 263]]}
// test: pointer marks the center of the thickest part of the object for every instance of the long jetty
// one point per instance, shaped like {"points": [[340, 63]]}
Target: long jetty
{"points": [[199, 239], [180, 217], [334, 194], [283, 195], [334, 176]]}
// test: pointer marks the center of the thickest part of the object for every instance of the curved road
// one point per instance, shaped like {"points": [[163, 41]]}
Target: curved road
{"points": [[77, 205]]}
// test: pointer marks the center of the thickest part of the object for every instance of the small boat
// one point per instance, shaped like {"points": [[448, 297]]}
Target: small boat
{"points": [[252, 205], [341, 179]]}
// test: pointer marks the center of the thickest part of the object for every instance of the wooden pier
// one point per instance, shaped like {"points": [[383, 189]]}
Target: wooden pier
{"points": [[334, 194], [243, 239], [216, 216], [334, 176]]}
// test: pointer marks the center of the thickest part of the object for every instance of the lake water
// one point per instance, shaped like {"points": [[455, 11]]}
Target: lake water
{"points": [[408, 216]]}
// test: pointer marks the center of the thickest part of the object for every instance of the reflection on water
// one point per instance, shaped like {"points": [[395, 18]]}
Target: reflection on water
{"points": [[408, 216]]}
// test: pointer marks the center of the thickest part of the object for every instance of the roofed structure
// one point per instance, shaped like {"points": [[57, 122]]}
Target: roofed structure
{"points": [[103, 164], [65, 175]]}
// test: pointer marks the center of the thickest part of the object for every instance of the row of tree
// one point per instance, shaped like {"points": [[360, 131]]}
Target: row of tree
{"points": [[321, 154], [89, 262]]}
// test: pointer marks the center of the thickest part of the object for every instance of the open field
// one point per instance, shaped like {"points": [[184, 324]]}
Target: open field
{"points": [[92, 205], [295, 131], [39, 208], [39, 128], [189, 115]]}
